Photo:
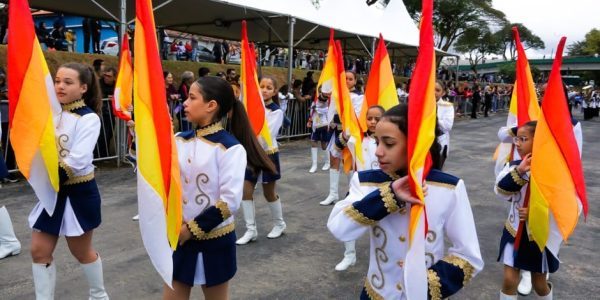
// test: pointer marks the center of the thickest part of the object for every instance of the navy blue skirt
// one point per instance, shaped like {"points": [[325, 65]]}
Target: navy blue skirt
{"points": [[218, 257], [321, 134], [85, 201], [266, 176], [529, 257]]}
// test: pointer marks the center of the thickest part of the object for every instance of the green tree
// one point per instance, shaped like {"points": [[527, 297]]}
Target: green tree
{"points": [[589, 46], [508, 70], [477, 43], [528, 39], [452, 18]]}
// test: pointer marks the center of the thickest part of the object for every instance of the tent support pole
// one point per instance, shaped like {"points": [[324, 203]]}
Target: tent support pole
{"points": [[106, 10], [119, 124], [306, 35], [292, 22], [271, 27], [365, 46]]}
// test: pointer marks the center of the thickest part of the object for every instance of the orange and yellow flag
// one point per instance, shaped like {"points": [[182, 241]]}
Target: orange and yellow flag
{"points": [[251, 96], [381, 89], [159, 186], [526, 105], [350, 122], [123, 98], [557, 185], [32, 107], [329, 75]]}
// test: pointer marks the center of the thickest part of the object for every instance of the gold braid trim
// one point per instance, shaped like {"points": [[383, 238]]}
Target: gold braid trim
{"points": [[510, 132], [219, 232], [388, 198], [505, 192], [357, 216], [73, 105], [224, 208], [272, 151], [343, 141], [517, 178], [210, 129], [510, 229], [371, 292], [79, 179], [463, 264], [67, 169], [435, 286], [195, 229]]}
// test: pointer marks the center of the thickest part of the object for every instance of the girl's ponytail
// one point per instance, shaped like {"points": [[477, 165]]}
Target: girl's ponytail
{"points": [[241, 128]]}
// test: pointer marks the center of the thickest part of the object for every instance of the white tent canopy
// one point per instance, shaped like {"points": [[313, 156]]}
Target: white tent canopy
{"points": [[268, 20]]}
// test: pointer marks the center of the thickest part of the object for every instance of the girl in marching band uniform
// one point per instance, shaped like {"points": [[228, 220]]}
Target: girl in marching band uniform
{"points": [[369, 146], [380, 201], [320, 127], [445, 119], [337, 143], [77, 211], [512, 185], [212, 162], [274, 119]]}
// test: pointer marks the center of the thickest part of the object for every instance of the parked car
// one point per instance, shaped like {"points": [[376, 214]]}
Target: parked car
{"points": [[110, 46], [204, 54]]}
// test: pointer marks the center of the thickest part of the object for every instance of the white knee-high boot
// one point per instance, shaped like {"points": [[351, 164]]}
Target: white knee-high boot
{"points": [[334, 178], [314, 152], [504, 296], [9, 244], [44, 280], [95, 277], [547, 297], [249, 217], [524, 287], [327, 163], [278, 223], [349, 256]]}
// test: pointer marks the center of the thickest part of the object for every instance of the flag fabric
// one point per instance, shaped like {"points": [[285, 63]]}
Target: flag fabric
{"points": [[557, 183], [421, 135], [329, 74], [527, 106], [251, 96], [350, 122], [524, 106], [381, 89], [33, 107], [122, 99], [159, 186]]}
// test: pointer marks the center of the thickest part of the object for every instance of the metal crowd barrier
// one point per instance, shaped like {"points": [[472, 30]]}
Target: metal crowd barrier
{"points": [[297, 113]]}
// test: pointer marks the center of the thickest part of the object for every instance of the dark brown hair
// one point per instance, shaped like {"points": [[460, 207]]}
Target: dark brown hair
{"points": [[399, 116], [93, 96], [218, 89]]}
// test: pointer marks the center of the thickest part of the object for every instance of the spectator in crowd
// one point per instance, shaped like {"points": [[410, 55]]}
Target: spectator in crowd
{"points": [[218, 52], [187, 78], [4, 22], [194, 45], [487, 104], [5, 149], [222, 75], [173, 95], [59, 38], [71, 39], [96, 32], [42, 34], [98, 67], [203, 71], [107, 87], [475, 100], [230, 74], [86, 25], [308, 84], [225, 47]]}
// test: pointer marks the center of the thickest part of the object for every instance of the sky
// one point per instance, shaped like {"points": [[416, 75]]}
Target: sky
{"points": [[552, 19]]}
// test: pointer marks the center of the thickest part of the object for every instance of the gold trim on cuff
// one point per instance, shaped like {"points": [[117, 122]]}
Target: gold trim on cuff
{"points": [[357, 216], [388, 198], [505, 192], [219, 232], [517, 178], [224, 208], [510, 229], [463, 264], [343, 141], [371, 292], [435, 286], [272, 151], [195, 229]]}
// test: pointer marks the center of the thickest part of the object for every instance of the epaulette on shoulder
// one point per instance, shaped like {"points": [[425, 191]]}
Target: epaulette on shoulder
{"points": [[82, 111], [186, 135], [273, 106], [437, 177], [373, 177], [222, 137], [445, 103]]}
